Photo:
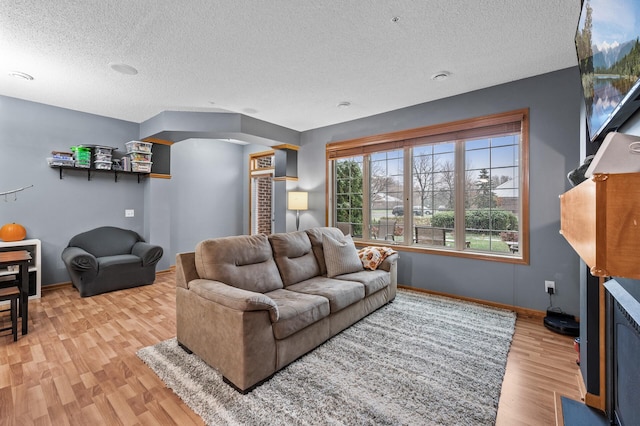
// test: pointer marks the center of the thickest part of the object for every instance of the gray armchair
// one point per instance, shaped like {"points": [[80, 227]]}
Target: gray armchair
{"points": [[109, 258]]}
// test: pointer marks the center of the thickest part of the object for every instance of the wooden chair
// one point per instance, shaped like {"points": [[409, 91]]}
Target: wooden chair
{"points": [[345, 227], [8, 281], [387, 227], [12, 294]]}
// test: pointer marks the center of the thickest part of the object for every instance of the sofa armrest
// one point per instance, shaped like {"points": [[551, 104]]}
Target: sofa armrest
{"points": [[388, 262], [149, 253], [79, 260], [186, 269], [234, 298]]}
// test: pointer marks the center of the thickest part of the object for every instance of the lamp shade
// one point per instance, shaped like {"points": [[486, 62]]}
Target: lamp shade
{"points": [[298, 200]]}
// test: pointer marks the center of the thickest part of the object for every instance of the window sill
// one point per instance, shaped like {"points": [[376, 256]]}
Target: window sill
{"points": [[467, 254]]}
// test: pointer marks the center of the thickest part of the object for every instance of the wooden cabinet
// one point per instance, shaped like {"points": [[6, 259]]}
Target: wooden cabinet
{"points": [[600, 218]]}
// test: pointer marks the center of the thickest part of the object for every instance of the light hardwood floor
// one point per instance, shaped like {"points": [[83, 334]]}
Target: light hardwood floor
{"points": [[78, 364]]}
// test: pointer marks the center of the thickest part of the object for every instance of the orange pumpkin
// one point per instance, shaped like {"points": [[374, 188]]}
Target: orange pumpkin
{"points": [[12, 232]]}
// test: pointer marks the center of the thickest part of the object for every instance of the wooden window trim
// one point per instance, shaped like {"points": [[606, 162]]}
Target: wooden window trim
{"points": [[461, 129]]}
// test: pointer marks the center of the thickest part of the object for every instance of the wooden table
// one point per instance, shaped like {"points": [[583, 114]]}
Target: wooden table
{"points": [[20, 258]]}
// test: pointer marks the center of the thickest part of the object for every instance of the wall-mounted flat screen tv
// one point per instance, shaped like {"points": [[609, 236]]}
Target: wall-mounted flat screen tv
{"points": [[608, 48]]}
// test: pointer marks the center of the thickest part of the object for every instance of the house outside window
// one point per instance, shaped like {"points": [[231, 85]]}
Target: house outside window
{"points": [[457, 189]]}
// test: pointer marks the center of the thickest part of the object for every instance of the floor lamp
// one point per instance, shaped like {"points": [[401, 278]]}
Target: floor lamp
{"points": [[297, 200]]}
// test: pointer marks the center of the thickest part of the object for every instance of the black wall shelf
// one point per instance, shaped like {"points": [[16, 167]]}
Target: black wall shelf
{"points": [[90, 170]]}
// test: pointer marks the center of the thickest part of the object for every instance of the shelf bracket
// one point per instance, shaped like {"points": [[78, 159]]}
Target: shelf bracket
{"points": [[60, 173]]}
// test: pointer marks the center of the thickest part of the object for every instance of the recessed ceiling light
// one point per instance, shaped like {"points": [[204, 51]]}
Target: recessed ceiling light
{"points": [[123, 68], [440, 76], [344, 104], [22, 75]]}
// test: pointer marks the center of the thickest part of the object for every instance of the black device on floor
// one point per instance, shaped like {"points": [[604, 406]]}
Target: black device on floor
{"points": [[562, 323]]}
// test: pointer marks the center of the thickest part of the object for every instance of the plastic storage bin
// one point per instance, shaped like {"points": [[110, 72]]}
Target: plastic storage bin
{"points": [[102, 150], [102, 157], [138, 146], [103, 165], [140, 156], [82, 156], [141, 166], [53, 161]]}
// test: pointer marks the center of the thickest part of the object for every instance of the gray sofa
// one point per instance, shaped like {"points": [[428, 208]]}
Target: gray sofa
{"points": [[250, 305], [109, 258]]}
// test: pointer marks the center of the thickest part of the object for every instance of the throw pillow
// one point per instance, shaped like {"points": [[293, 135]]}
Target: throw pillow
{"points": [[341, 257]]}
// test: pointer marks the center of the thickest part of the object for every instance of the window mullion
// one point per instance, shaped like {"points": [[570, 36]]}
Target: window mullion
{"points": [[366, 197], [460, 196], [332, 212], [408, 195]]}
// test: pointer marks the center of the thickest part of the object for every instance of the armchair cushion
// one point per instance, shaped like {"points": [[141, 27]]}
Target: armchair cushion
{"points": [[119, 259]]}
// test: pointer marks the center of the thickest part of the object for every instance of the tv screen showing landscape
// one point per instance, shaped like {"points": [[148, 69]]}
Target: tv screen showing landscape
{"points": [[608, 48]]}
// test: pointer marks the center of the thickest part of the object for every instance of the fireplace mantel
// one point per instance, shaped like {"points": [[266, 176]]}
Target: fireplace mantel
{"points": [[600, 218]]}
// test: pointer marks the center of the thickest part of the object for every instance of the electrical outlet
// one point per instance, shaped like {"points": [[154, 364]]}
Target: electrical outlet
{"points": [[128, 213], [550, 285]]}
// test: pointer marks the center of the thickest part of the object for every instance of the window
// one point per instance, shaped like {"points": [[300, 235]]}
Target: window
{"points": [[260, 187], [459, 188], [348, 195]]}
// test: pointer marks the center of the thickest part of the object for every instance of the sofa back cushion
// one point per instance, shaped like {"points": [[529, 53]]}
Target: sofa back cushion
{"points": [[315, 236], [106, 241], [294, 257], [244, 261]]}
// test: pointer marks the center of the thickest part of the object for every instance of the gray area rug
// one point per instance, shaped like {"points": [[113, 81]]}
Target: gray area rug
{"points": [[418, 361]]}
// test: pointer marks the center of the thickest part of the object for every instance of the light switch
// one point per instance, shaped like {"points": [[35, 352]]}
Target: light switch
{"points": [[128, 213]]}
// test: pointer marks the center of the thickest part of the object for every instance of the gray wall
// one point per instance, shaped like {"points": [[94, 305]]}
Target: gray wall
{"points": [[56, 209], [207, 195], [207, 192], [554, 102]]}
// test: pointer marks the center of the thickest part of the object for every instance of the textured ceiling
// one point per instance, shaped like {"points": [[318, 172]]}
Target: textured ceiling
{"points": [[287, 62]]}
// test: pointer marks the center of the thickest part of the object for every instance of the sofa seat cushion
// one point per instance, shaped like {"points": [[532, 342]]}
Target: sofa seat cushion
{"points": [[373, 281], [340, 293], [119, 259], [296, 311]]}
